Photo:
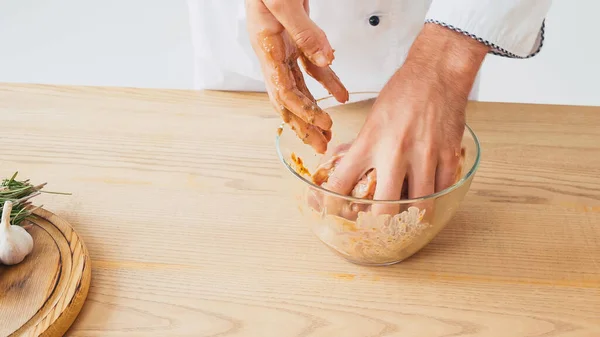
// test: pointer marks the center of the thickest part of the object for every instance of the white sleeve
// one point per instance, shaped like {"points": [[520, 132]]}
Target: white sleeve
{"points": [[512, 28], [223, 56]]}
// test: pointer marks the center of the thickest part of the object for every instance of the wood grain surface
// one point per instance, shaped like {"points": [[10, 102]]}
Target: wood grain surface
{"points": [[184, 208], [43, 295]]}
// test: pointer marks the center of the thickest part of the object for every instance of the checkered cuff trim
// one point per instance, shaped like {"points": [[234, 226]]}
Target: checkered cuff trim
{"points": [[496, 50]]}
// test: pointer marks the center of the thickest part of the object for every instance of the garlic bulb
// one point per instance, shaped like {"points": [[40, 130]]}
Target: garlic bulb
{"points": [[15, 242]]}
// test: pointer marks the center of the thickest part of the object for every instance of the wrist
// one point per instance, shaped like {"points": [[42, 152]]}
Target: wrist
{"points": [[441, 54]]}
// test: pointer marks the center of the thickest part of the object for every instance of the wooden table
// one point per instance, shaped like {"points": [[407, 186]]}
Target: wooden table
{"points": [[168, 193]]}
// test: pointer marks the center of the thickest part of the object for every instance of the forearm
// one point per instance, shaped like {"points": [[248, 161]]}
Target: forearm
{"points": [[444, 58]]}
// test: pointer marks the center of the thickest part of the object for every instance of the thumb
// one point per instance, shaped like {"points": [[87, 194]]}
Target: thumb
{"points": [[309, 38]]}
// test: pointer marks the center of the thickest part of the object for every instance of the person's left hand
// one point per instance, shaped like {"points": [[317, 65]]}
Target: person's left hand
{"points": [[281, 33], [415, 127]]}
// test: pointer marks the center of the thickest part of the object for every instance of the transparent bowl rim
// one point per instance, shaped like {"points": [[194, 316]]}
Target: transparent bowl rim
{"points": [[445, 191]]}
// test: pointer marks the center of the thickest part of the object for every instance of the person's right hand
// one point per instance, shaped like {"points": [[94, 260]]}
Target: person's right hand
{"points": [[281, 32]]}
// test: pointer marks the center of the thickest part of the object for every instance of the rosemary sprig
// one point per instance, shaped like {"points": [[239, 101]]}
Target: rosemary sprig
{"points": [[20, 193]]}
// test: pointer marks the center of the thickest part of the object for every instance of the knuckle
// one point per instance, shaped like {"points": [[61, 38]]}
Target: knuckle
{"points": [[335, 183], [449, 156], [428, 151], [406, 144], [403, 142], [308, 40]]}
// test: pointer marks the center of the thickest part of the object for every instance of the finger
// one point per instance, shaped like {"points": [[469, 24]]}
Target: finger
{"points": [[271, 57], [283, 85], [365, 188], [447, 169], [286, 116], [347, 172], [278, 76], [328, 79], [279, 108], [325, 169], [279, 65], [305, 108], [288, 85], [327, 166], [307, 7], [421, 181], [343, 179], [287, 93], [309, 134], [309, 38], [389, 187], [340, 149], [421, 177], [300, 83], [273, 48]]}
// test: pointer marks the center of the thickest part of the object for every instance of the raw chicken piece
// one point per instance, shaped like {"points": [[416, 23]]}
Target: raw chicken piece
{"points": [[364, 188]]}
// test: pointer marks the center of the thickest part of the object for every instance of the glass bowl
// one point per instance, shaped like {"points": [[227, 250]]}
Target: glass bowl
{"points": [[357, 234]]}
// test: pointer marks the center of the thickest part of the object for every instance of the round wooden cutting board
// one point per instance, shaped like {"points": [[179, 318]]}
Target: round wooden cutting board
{"points": [[43, 295]]}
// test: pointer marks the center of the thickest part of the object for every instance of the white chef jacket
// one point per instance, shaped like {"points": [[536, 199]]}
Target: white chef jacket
{"points": [[366, 55]]}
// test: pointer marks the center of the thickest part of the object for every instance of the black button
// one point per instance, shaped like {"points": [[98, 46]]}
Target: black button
{"points": [[374, 20]]}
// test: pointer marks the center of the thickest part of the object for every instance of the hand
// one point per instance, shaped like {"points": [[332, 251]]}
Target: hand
{"points": [[415, 127], [282, 32]]}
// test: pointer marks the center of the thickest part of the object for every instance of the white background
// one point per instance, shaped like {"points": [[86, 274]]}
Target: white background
{"points": [[146, 43]]}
